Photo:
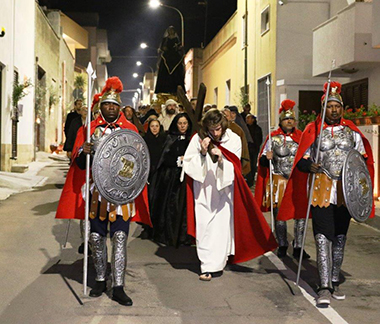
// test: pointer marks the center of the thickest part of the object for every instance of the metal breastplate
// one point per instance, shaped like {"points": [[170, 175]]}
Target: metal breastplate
{"points": [[99, 135], [334, 150], [283, 155]]}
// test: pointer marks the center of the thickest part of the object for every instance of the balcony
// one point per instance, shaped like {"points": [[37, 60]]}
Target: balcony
{"points": [[347, 38]]}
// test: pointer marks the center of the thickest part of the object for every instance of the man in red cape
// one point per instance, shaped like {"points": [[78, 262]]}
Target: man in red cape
{"points": [[102, 213], [331, 218], [222, 214], [281, 151]]}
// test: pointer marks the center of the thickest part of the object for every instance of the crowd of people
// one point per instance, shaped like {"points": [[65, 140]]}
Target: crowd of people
{"points": [[200, 185]]}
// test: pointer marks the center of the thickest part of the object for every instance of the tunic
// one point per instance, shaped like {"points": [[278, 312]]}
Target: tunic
{"points": [[213, 193]]}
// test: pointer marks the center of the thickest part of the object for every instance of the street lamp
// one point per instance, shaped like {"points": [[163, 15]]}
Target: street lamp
{"points": [[143, 45], [154, 4], [139, 63], [135, 75]]}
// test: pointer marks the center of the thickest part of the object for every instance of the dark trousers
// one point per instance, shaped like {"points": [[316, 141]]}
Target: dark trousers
{"points": [[101, 227], [330, 221]]}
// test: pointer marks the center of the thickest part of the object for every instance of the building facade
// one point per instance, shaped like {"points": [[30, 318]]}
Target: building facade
{"points": [[16, 66]]}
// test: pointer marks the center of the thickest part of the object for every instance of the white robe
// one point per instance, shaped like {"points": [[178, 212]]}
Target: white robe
{"points": [[213, 194]]}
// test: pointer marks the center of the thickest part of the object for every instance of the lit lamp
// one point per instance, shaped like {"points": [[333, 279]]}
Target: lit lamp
{"points": [[135, 75]]}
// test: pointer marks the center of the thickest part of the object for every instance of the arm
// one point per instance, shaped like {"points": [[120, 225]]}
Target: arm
{"points": [[194, 162]]}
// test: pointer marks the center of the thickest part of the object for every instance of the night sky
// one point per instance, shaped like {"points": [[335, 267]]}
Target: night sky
{"points": [[131, 22]]}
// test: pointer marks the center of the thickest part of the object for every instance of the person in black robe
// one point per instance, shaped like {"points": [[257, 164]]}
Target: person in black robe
{"points": [[168, 207], [171, 69], [71, 134], [155, 138]]}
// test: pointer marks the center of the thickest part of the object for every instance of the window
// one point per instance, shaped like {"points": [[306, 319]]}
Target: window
{"points": [[228, 92], [244, 32], [262, 104], [265, 17], [355, 94], [216, 95]]}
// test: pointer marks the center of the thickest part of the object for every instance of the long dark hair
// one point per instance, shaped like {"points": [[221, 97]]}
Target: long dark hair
{"points": [[213, 118], [173, 129]]}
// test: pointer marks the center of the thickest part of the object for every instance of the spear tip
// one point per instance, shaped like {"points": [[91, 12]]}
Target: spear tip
{"points": [[89, 68]]}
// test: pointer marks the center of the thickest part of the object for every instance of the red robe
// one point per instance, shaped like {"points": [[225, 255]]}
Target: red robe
{"points": [[253, 236], [71, 204], [294, 203], [263, 172]]}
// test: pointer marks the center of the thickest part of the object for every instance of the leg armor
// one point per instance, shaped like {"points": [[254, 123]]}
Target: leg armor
{"points": [[337, 256], [281, 230], [299, 226], [99, 255], [324, 260], [281, 233], [119, 258]]}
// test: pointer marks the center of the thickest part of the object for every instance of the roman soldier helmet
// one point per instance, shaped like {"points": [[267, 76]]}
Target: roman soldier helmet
{"points": [[111, 91], [286, 110], [334, 93]]}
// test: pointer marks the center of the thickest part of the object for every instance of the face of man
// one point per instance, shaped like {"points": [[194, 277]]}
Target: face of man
{"points": [[249, 120], [227, 114], [182, 125], [128, 112], [247, 109], [233, 115], [78, 106], [334, 111], [154, 127], [157, 108], [288, 124], [110, 111], [193, 104], [83, 112], [170, 109], [216, 132]]}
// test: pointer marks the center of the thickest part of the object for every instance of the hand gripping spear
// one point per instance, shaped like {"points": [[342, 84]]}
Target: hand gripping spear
{"points": [[311, 189], [270, 161], [91, 77]]}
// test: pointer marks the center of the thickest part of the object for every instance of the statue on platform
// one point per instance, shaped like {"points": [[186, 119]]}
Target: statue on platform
{"points": [[171, 70]]}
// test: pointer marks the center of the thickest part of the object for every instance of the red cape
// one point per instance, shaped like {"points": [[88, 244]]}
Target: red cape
{"points": [[294, 203], [263, 172], [253, 236], [71, 204]]}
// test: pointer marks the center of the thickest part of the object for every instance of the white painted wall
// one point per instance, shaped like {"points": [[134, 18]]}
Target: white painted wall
{"points": [[17, 50]]}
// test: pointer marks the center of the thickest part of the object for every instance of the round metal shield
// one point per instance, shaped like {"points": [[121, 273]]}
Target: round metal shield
{"points": [[357, 186], [121, 166]]}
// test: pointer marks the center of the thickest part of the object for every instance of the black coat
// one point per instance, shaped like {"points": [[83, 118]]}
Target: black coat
{"points": [[168, 196], [71, 135], [69, 118]]}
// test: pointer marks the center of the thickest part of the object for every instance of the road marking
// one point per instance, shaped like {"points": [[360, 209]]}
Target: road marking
{"points": [[369, 226], [330, 313]]}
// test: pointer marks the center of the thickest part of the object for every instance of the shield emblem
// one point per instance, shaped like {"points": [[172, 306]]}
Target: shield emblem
{"points": [[357, 186], [121, 166]]}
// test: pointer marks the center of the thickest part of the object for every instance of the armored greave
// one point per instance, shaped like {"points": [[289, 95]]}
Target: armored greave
{"points": [[99, 255], [324, 260], [281, 230], [299, 227], [119, 258], [281, 233], [337, 256]]}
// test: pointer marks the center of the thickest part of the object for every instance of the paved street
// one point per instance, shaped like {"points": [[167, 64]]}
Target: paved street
{"points": [[42, 283]]}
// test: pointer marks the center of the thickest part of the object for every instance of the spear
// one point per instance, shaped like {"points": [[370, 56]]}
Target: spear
{"points": [[91, 76], [311, 189], [270, 161]]}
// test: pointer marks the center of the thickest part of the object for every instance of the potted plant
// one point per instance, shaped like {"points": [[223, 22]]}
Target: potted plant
{"points": [[305, 118], [19, 92], [375, 114]]}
